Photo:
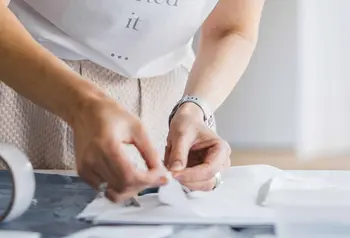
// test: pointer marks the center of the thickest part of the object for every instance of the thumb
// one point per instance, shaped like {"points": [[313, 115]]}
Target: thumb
{"points": [[180, 148]]}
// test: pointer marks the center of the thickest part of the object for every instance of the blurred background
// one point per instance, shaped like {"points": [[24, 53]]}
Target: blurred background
{"points": [[291, 109]]}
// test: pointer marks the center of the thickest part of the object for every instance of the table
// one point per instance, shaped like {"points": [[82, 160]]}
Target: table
{"points": [[59, 199], [61, 196]]}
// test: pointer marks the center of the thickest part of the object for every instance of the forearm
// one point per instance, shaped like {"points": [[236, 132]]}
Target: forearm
{"points": [[35, 73], [220, 63]]}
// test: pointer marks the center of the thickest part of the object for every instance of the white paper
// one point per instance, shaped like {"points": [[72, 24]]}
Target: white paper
{"points": [[126, 231], [258, 232], [233, 202], [237, 202], [207, 232], [172, 194], [289, 183], [265, 236], [19, 234]]}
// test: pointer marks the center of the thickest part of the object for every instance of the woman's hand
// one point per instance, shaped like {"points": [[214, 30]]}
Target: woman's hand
{"points": [[194, 152], [101, 128]]}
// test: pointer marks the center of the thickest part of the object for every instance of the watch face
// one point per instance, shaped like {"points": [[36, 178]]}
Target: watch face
{"points": [[210, 122]]}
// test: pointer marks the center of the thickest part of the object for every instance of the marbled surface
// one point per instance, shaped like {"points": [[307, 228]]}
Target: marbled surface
{"points": [[59, 199]]}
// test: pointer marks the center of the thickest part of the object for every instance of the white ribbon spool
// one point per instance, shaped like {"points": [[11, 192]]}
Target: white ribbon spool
{"points": [[23, 181]]}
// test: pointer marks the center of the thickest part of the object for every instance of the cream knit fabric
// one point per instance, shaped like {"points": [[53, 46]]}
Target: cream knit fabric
{"points": [[48, 141]]}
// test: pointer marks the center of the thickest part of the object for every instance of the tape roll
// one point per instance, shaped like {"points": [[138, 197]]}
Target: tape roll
{"points": [[23, 181]]}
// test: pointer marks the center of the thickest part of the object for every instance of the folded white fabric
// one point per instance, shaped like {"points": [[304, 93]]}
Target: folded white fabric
{"points": [[287, 182], [125, 231], [207, 232], [172, 194], [19, 234], [235, 199], [158, 232], [243, 199]]}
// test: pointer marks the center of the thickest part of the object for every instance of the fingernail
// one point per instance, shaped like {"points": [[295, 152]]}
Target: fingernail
{"points": [[176, 166], [166, 178], [178, 177], [163, 180]]}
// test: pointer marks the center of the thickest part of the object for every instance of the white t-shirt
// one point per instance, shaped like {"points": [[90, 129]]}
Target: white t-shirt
{"points": [[135, 38]]}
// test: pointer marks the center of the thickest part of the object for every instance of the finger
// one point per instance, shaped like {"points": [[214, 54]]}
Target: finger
{"points": [[106, 175], [146, 149], [152, 178], [117, 162], [115, 156], [202, 186], [212, 164], [180, 148], [128, 174], [124, 174], [117, 197], [109, 169], [92, 179], [166, 155], [117, 169], [87, 170], [130, 191]]}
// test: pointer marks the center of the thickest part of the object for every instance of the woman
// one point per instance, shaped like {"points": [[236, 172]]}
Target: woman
{"points": [[111, 72]]}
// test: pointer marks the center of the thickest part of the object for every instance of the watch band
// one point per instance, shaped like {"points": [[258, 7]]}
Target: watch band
{"points": [[208, 116]]}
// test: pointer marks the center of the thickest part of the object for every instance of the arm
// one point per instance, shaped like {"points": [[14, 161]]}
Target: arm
{"points": [[35, 73], [101, 126], [227, 42]]}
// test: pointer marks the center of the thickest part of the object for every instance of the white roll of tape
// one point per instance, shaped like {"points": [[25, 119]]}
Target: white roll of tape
{"points": [[23, 181]]}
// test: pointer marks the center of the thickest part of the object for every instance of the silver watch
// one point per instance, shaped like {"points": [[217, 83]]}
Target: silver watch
{"points": [[208, 116]]}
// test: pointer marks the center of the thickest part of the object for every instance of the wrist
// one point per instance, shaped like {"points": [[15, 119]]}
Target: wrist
{"points": [[190, 110], [84, 98]]}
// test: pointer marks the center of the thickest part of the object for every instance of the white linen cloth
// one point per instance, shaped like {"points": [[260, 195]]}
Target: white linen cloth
{"points": [[241, 200]]}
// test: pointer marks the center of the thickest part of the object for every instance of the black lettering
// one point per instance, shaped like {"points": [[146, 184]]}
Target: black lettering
{"points": [[136, 22], [129, 22], [173, 3], [133, 22]]}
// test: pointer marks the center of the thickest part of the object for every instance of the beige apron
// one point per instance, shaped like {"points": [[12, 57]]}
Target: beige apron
{"points": [[48, 141]]}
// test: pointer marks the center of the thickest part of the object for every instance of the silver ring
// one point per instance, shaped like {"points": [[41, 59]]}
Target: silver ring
{"points": [[102, 188], [218, 180]]}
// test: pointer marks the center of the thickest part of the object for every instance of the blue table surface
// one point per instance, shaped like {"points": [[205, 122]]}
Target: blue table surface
{"points": [[59, 200]]}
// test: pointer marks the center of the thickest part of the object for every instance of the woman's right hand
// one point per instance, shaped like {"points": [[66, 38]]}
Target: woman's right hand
{"points": [[100, 125], [101, 128]]}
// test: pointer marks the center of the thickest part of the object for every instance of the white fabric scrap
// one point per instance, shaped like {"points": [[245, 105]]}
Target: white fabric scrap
{"points": [[286, 182], [124, 231], [172, 194], [19, 234], [242, 199], [207, 232], [235, 199]]}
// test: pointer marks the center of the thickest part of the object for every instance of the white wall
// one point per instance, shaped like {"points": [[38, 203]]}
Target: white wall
{"points": [[261, 110], [324, 78], [296, 91]]}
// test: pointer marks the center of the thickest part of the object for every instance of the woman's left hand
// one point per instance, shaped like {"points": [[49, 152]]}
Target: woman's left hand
{"points": [[194, 152]]}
